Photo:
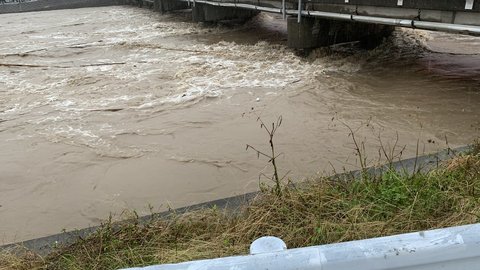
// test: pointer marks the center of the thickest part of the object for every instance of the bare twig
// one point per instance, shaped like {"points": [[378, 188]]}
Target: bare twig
{"points": [[272, 156], [359, 148]]}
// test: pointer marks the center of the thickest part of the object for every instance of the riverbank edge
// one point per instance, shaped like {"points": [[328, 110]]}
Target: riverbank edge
{"points": [[45, 245]]}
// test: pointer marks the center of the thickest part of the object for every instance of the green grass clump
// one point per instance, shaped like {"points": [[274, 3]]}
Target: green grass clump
{"points": [[320, 212], [476, 147]]}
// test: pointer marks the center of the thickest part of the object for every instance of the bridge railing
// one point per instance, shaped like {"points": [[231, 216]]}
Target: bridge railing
{"points": [[456, 248], [450, 5]]}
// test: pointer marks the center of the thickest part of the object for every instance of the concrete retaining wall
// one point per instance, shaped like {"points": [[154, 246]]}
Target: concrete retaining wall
{"points": [[9, 6]]}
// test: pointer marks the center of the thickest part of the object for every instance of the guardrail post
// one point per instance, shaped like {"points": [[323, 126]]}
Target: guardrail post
{"points": [[299, 18]]}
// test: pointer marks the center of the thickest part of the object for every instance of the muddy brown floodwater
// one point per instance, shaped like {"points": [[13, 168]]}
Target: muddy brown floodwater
{"points": [[117, 108]]}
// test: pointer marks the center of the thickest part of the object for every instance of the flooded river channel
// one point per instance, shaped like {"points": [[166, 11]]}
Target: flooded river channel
{"points": [[114, 108]]}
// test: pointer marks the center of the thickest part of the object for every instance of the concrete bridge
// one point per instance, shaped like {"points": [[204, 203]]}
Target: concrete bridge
{"points": [[311, 23], [315, 23]]}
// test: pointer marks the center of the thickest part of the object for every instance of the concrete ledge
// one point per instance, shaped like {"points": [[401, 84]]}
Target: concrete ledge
{"points": [[45, 245], [44, 5]]}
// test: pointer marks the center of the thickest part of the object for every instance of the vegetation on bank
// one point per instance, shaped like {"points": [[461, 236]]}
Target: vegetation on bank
{"points": [[322, 211]]}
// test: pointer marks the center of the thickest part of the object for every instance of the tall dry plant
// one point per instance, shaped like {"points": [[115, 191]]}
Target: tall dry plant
{"points": [[272, 156]]}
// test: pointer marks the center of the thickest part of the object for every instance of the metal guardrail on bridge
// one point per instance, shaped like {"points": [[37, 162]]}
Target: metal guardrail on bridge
{"points": [[451, 5], [456, 248]]}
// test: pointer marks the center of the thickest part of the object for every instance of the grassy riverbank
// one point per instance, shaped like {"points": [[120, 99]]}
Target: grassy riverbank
{"points": [[324, 211]]}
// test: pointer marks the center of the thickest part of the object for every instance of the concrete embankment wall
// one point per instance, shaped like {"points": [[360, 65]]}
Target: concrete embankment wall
{"points": [[41, 5]]}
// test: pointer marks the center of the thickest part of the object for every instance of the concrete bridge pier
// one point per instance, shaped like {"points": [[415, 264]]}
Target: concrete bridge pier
{"points": [[313, 32], [168, 5], [138, 3], [209, 13]]}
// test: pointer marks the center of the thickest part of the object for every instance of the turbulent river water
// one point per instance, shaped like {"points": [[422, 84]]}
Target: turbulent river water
{"points": [[107, 109]]}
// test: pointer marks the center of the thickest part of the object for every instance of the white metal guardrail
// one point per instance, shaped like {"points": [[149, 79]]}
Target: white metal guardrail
{"points": [[456, 248]]}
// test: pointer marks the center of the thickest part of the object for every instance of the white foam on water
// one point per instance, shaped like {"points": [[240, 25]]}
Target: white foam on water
{"points": [[65, 104], [230, 66]]}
